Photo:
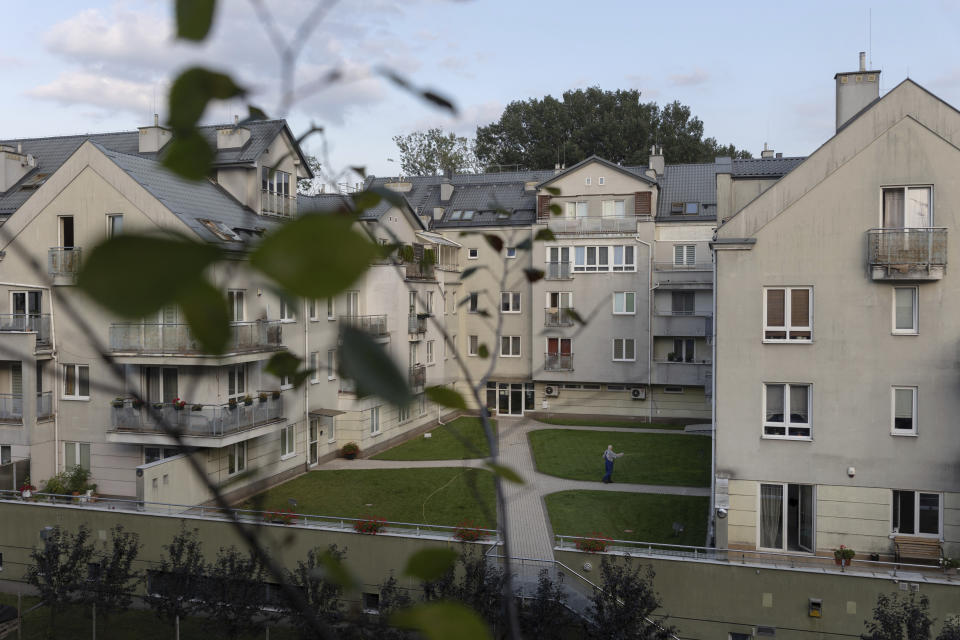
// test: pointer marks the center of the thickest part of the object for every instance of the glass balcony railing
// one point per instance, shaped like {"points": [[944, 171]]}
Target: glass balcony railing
{"points": [[558, 317], [63, 261], [38, 323], [558, 271], [209, 420], [177, 339], [374, 325], [908, 254], [558, 362], [11, 407]]}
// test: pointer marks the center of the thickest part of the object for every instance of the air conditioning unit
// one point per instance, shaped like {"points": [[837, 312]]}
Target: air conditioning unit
{"points": [[638, 393], [551, 391]]}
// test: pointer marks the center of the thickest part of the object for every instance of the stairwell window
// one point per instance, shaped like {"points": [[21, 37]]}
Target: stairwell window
{"points": [[903, 411], [788, 314], [473, 303], [315, 366], [287, 442], [76, 382], [473, 344], [331, 364], [624, 350], [430, 350], [905, 310], [786, 411]]}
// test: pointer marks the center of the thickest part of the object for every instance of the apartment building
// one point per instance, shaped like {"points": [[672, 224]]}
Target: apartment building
{"points": [[836, 365], [61, 405]]}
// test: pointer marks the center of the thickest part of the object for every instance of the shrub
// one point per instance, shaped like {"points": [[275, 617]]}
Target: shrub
{"points": [[468, 531], [370, 525], [596, 543], [350, 449], [283, 516], [843, 553]]}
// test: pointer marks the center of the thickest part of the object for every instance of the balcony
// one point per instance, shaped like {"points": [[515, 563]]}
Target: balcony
{"points": [[558, 271], [560, 317], [44, 405], [694, 374], [907, 254], [154, 338], [684, 276], [374, 325], [38, 323], [277, 204], [347, 385], [11, 408], [691, 325], [417, 323], [63, 264], [418, 378], [195, 420], [594, 224], [420, 271], [558, 362]]}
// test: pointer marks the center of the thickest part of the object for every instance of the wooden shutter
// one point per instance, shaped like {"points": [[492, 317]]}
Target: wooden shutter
{"points": [[642, 203], [543, 207], [775, 308]]}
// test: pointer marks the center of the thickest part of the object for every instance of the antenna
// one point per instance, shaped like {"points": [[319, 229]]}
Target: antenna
{"points": [[870, 35]]}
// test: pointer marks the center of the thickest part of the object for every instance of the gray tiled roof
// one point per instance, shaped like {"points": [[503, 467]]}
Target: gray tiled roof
{"points": [[637, 171], [765, 167], [688, 183]]}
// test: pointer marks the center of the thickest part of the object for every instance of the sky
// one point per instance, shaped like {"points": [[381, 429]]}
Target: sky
{"points": [[753, 72]]}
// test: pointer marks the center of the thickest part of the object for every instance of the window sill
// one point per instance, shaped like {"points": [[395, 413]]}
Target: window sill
{"points": [[332, 441], [624, 313], [288, 456], [331, 318], [285, 387], [314, 319], [904, 333], [315, 381], [789, 438], [331, 378], [377, 434], [634, 360], [904, 434], [287, 320], [76, 399], [766, 341]]}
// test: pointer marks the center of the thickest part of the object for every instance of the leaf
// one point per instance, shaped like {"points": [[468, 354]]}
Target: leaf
{"points": [[469, 271], [337, 572], [315, 256], [494, 241], [206, 310], [389, 195], [556, 210], [430, 564], [135, 275], [439, 100], [525, 245], [554, 191], [573, 315], [283, 364], [544, 234], [446, 397], [533, 274], [442, 621], [194, 18], [255, 113], [189, 155], [360, 171], [364, 200], [367, 363], [482, 351], [191, 92], [505, 472]]}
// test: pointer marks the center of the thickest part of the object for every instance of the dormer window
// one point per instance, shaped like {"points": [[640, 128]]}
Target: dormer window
{"points": [[468, 215], [275, 198], [456, 215], [684, 208]]}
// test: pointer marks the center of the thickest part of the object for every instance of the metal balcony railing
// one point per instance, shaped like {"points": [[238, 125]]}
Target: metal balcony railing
{"points": [[594, 224], [176, 338], [418, 377], [44, 404], [673, 266], [374, 325], [558, 271], [417, 324], [63, 261], [11, 407], [277, 204], [38, 323], [557, 317], [420, 271], [196, 419], [907, 250], [558, 362]]}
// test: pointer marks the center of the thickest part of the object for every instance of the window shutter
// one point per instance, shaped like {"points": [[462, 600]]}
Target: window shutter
{"points": [[800, 307], [775, 308], [543, 207], [642, 203], [678, 254], [691, 257]]}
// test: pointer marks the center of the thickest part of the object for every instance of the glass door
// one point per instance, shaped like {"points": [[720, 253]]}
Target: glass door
{"points": [[516, 399], [313, 446]]}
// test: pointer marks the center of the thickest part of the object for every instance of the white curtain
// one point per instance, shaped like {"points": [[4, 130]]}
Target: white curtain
{"points": [[771, 516]]}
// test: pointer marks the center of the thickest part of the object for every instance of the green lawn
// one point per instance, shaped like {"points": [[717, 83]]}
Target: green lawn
{"points": [[651, 458], [629, 424], [445, 496], [629, 516], [445, 443]]}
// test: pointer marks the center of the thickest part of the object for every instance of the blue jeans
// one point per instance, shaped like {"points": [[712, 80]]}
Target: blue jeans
{"points": [[609, 467]]}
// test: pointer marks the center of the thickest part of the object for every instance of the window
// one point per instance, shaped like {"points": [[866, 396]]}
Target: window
{"points": [[152, 454], [623, 259], [375, 420], [905, 310], [472, 345], [276, 189], [5, 456], [286, 382], [916, 513], [560, 300], [691, 208], [237, 381], [473, 302], [430, 351], [313, 440], [588, 181], [511, 252], [403, 413], [907, 208], [353, 303], [236, 458], [624, 350], [597, 258], [574, 210], [456, 214], [331, 308], [510, 346], [613, 209], [114, 224], [76, 382], [312, 310], [684, 255], [473, 254], [468, 215], [786, 517], [331, 364], [683, 350], [624, 302], [600, 180], [235, 298], [672, 389], [76, 453], [788, 314], [286, 311], [786, 410], [428, 308], [287, 446], [682, 303], [904, 410], [161, 384], [315, 365], [510, 301]]}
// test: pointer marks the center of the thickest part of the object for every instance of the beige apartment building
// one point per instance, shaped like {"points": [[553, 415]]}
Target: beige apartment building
{"points": [[836, 327]]}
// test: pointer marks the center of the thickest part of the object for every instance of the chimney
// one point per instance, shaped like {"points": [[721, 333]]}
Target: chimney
{"points": [[152, 139], [855, 90], [767, 151], [446, 188], [656, 162], [232, 137]]}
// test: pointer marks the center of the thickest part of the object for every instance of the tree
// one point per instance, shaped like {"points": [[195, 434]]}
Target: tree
{"points": [[434, 152], [175, 585], [951, 630], [479, 586], [546, 614], [111, 578], [59, 568], [322, 594], [616, 125], [897, 617], [623, 605], [234, 594], [392, 599], [311, 186]]}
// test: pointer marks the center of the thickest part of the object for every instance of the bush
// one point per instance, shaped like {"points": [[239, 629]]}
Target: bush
{"points": [[370, 525], [468, 531], [596, 543], [350, 449], [283, 516]]}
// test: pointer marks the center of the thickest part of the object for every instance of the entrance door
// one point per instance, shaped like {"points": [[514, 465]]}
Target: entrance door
{"points": [[313, 444], [510, 398], [516, 399]]}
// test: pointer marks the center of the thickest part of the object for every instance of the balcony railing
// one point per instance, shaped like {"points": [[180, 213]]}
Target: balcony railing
{"points": [[594, 224], [558, 271], [63, 261], [418, 377], [672, 266], [196, 419], [917, 254], [420, 271], [176, 338], [681, 373], [11, 407], [559, 317], [38, 323], [277, 204], [374, 325], [558, 362], [347, 385], [417, 323], [44, 404]]}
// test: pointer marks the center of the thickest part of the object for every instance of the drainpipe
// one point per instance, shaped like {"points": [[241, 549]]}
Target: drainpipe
{"points": [[711, 524], [306, 388], [650, 289]]}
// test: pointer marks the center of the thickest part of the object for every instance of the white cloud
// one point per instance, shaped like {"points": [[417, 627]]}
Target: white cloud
{"points": [[471, 117], [695, 78], [98, 90]]}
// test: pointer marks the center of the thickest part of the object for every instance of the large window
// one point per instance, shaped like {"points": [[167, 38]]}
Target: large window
{"points": [[682, 303], [275, 186], [161, 384], [76, 453], [76, 382], [684, 350], [575, 210], [786, 410], [624, 302], [236, 458], [786, 517], [788, 314], [916, 513], [905, 310], [510, 301], [624, 350], [613, 209], [604, 258], [907, 208], [287, 441], [510, 346], [235, 299], [904, 411]]}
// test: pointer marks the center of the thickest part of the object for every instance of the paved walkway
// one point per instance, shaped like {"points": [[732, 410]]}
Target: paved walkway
{"points": [[528, 526]]}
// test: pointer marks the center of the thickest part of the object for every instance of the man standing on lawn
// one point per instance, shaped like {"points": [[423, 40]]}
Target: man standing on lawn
{"points": [[608, 457]]}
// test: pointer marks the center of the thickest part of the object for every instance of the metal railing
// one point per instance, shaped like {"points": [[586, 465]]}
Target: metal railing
{"points": [[375, 325], [11, 407], [558, 271], [196, 419], [558, 317], [921, 247], [673, 266], [44, 404], [347, 385], [558, 362], [594, 224], [63, 261], [38, 323], [418, 377], [277, 204], [177, 339], [420, 271], [417, 323]]}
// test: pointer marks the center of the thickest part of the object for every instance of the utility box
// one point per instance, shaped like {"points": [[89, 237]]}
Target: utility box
{"points": [[815, 608]]}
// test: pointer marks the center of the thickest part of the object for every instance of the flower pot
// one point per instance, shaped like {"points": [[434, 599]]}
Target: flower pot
{"points": [[842, 562], [26, 493], [349, 456], [117, 404]]}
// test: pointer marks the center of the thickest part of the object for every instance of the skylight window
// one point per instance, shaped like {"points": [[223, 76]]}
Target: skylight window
{"points": [[468, 215], [221, 230], [456, 215]]}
